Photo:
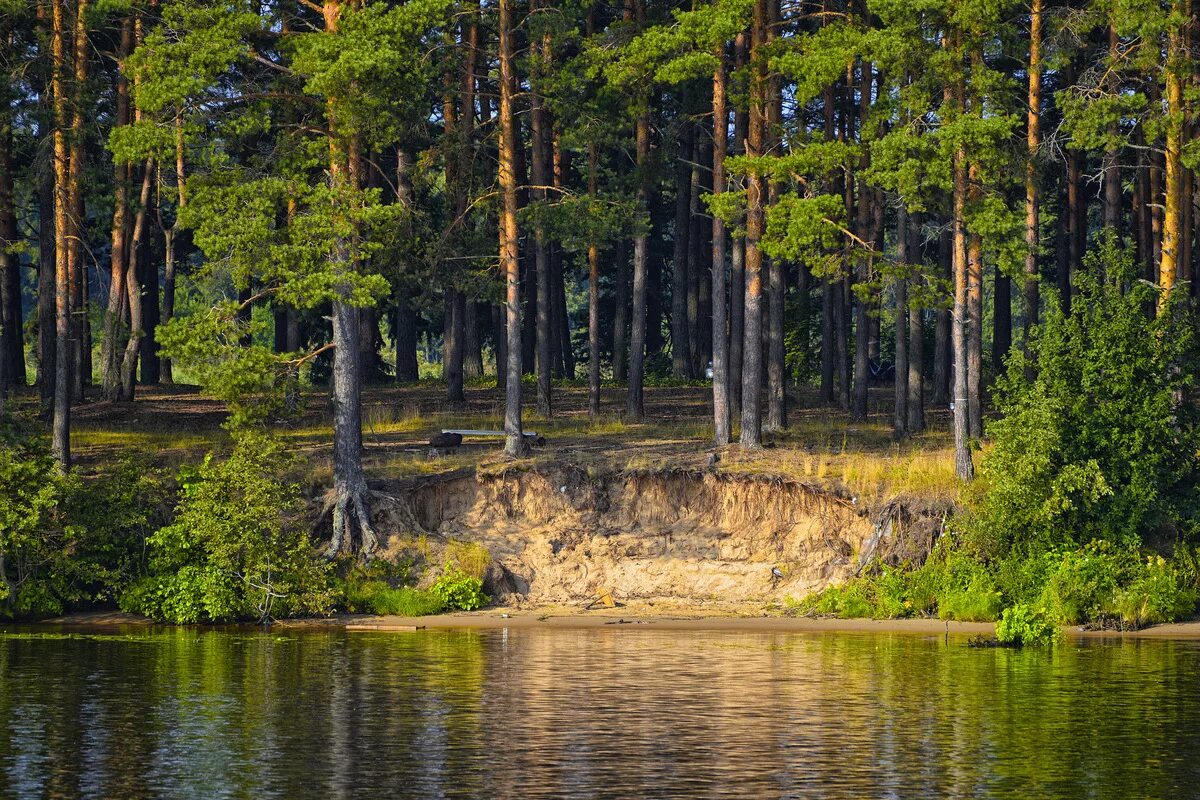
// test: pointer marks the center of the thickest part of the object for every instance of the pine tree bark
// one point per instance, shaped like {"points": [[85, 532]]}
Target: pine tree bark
{"points": [[133, 288], [349, 500], [514, 442], [1030, 289], [1172, 226], [737, 254], [722, 434], [113, 332], [756, 195], [635, 406], [540, 128], [776, 274], [593, 257], [943, 349], [900, 416], [12, 346], [75, 266], [964, 467], [680, 355], [61, 429], [47, 259], [862, 321], [620, 332], [916, 346], [170, 242]]}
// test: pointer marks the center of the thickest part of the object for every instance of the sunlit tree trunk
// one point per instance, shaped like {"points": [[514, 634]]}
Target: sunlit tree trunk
{"points": [[680, 357], [776, 274], [514, 444], [114, 314], [61, 441], [540, 130], [593, 257], [76, 269], [751, 433], [1172, 228], [900, 417], [1033, 139], [720, 338]]}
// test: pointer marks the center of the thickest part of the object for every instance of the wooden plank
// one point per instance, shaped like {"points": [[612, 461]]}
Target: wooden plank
{"points": [[372, 626], [468, 432]]}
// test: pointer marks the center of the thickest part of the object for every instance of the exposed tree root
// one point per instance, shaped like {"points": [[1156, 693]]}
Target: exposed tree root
{"points": [[350, 510]]}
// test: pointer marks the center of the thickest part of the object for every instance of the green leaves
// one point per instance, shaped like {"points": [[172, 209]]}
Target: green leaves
{"points": [[1103, 442], [235, 550]]}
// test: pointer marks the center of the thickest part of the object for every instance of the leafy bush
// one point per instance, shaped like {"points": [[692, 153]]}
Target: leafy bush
{"points": [[66, 540], [232, 552], [1081, 583], [378, 597], [1158, 594], [458, 590], [1021, 625], [1102, 443]]}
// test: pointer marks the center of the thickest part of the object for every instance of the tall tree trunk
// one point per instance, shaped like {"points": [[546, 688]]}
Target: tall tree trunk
{"points": [[1074, 178], [1112, 160], [975, 334], [12, 347], [148, 275], [635, 407], [593, 257], [75, 266], [133, 287], [722, 434], [699, 275], [514, 443], [472, 344], [916, 346], [61, 441], [900, 420], [47, 260], [1001, 320], [737, 254], [680, 356], [828, 331], [540, 129], [349, 501], [620, 331], [1172, 227], [114, 314], [406, 340], [1033, 139], [776, 274], [964, 467], [756, 195], [862, 323], [943, 349]]}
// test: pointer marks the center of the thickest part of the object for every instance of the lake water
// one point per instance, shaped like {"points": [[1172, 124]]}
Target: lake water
{"points": [[621, 712]]}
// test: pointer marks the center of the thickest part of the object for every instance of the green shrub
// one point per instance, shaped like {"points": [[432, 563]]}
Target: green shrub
{"points": [[1158, 594], [458, 590], [1099, 444], [966, 587], [1081, 583], [377, 597], [1022, 624], [235, 549]]}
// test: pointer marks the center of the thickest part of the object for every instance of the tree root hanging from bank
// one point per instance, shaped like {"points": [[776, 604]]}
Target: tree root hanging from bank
{"points": [[350, 512]]}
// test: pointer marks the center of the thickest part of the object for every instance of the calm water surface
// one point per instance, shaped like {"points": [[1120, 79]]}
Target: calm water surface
{"points": [[613, 713]]}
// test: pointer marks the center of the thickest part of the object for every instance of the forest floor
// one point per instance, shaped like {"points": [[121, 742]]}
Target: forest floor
{"points": [[174, 425]]}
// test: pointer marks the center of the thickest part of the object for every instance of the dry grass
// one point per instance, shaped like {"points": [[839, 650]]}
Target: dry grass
{"points": [[175, 425]]}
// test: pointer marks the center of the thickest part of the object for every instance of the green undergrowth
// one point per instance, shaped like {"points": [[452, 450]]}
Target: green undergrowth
{"points": [[1101, 583]]}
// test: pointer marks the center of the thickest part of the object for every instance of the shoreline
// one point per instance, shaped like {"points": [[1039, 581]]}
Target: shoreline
{"points": [[615, 619]]}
